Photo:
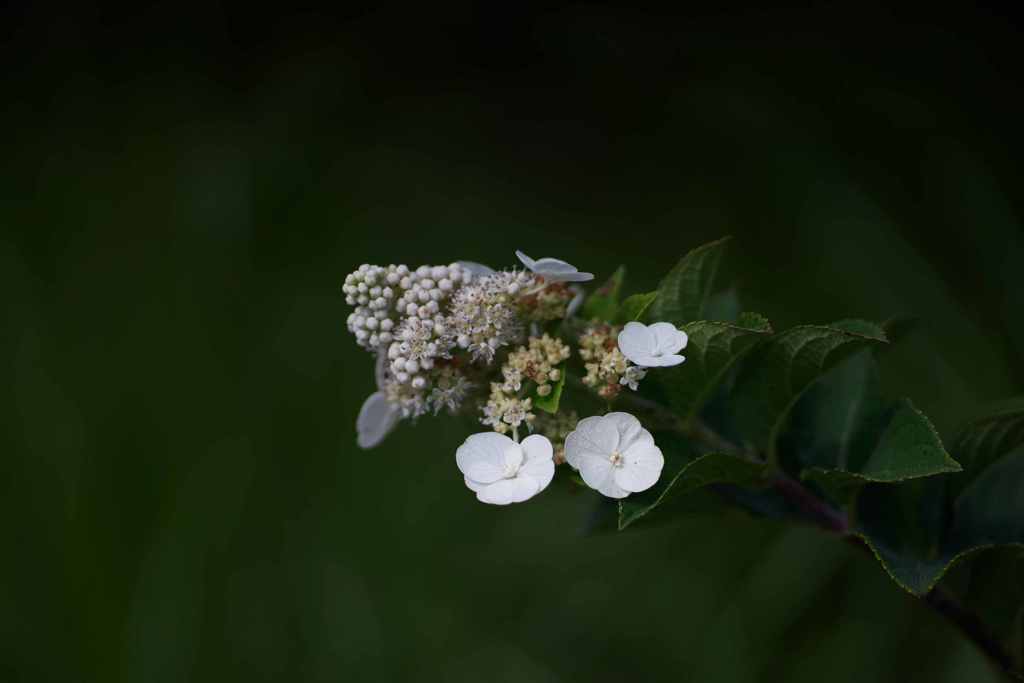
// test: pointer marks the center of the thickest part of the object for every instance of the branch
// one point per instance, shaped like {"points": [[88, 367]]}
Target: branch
{"points": [[976, 630]]}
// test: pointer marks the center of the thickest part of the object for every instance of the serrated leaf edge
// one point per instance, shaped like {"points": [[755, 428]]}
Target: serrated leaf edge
{"points": [[774, 434], [956, 559], [696, 251], [636, 516], [713, 383], [949, 466]]}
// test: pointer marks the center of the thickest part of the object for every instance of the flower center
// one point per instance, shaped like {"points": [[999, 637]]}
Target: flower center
{"points": [[616, 459], [513, 461]]}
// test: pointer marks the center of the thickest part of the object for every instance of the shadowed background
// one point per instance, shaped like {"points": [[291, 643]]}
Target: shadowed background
{"points": [[184, 191]]}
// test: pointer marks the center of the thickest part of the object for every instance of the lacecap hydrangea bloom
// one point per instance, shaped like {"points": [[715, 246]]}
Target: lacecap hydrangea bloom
{"points": [[466, 339]]}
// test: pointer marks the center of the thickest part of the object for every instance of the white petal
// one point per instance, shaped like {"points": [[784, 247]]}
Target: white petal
{"points": [[482, 456], [552, 266], [537, 447], [541, 471], [376, 419], [591, 436], [553, 269], [636, 342], [630, 431], [514, 457], [644, 360], [668, 338], [478, 269], [540, 464], [525, 260], [599, 473], [664, 361], [475, 486], [576, 302], [575, 276], [594, 469], [641, 467], [611, 488], [506, 491]]}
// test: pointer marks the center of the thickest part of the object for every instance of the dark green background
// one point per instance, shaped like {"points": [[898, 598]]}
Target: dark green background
{"points": [[184, 191]]}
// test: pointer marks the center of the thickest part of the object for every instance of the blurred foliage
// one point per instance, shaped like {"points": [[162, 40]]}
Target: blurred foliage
{"points": [[184, 191]]}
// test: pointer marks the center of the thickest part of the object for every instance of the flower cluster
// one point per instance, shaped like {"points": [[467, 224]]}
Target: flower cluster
{"points": [[504, 412], [538, 362], [441, 334], [385, 297], [485, 316], [552, 302], [506, 408], [607, 368]]}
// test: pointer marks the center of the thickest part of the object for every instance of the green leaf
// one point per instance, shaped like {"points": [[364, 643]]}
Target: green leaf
{"points": [[634, 307], [685, 471], [684, 292], [713, 348], [775, 376], [843, 433], [986, 438], [724, 306], [604, 303], [908, 527], [549, 403]]}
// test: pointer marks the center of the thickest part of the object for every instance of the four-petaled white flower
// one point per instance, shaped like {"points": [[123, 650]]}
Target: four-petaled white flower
{"points": [[655, 346], [614, 454], [502, 471], [554, 270], [377, 418]]}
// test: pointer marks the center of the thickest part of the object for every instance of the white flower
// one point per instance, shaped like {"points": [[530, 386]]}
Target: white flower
{"points": [[377, 418], [656, 346], [554, 270], [632, 376], [614, 454], [502, 471]]}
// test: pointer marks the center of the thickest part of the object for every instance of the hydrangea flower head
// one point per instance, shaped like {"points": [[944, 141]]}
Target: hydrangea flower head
{"points": [[654, 346], [554, 270], [614, 454], [501, 471]]}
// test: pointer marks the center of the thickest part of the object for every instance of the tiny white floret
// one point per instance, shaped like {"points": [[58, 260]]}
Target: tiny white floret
{"points": [[654, 346], [377, 418], [554, 270], [501, 471], [614, 454]]}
